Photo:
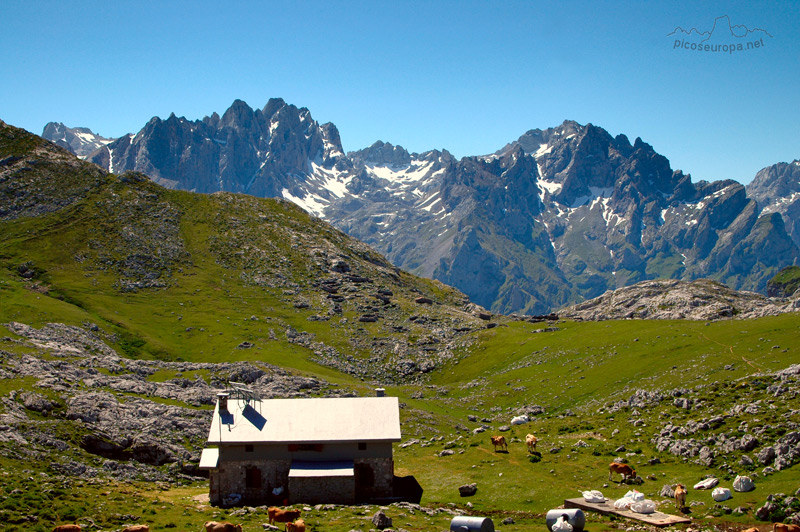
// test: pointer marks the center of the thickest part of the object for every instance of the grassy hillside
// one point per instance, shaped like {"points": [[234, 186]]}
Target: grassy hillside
{"points": [[164, 276], [785, 283]]}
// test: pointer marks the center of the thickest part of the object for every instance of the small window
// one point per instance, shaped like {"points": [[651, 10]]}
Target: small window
{"points": [[362, 446], [248, 448]]}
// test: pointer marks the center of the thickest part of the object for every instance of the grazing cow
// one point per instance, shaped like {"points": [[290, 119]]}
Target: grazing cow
{"points": [[297, 526], [530, 441], [136, 528], [279, 515], [781, 527], [623, 469], [224, 526], [67, 528], [680, 497], [499, 441]]}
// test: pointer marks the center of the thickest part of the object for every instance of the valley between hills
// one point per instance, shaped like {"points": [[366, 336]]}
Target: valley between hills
{"points": [[125, 306]]}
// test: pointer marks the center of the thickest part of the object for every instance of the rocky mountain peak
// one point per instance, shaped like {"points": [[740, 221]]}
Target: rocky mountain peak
{"points": [[81, 141], [273, 104], [238, 116], [382, 154]]}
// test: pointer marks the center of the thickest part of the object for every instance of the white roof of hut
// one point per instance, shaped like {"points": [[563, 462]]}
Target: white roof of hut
{"points": [[312, 420]]}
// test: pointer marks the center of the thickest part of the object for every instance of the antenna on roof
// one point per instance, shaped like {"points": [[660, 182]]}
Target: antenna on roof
{"points": [[241, 391]]}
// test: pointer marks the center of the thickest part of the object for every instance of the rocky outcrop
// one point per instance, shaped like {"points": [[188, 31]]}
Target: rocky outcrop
{"points": [[716, 439], [112, 406], [785, 283], [670, 299]]}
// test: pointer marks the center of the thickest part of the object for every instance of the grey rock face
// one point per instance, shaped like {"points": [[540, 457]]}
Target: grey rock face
{"points": [[79, 140], [260, 152], [775, 189]]}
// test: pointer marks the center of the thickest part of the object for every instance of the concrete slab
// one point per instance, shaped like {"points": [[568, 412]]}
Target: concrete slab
{"points": [[607, 508]]}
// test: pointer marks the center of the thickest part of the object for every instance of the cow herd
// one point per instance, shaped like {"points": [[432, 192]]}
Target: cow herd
{"points": [[293, 522], [290, 518], [500, 442]]}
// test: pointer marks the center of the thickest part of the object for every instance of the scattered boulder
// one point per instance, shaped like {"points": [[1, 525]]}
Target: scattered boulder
{"points": [[468, 490], [706, 484], [381, 520], [743, 484]]}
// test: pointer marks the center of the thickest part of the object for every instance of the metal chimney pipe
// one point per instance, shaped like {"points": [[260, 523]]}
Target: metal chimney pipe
{"points": [[222, 400]]}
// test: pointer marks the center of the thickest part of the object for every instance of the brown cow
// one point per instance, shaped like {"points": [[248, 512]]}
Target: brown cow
{"points": [[67, 528], [781, 527], [623, 469], [224, 526], [680, 497], [499, 441], [279, 515], [297, 526], [136, 528], [530, 441]]}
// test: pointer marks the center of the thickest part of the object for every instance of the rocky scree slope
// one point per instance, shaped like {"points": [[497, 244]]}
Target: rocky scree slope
{"points": [[557, 216], [76, 400], [746, 427]]}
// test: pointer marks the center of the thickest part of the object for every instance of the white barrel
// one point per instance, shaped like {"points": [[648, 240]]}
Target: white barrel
{"points": [[574, 517], [466, 523]]}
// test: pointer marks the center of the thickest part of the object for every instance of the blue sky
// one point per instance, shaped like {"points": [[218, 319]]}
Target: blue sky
{"points": [[467, 76]]}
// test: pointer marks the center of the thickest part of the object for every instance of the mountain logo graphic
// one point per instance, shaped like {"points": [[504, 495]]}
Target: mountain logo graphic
{"points": [[727, 37], [721, 24]]}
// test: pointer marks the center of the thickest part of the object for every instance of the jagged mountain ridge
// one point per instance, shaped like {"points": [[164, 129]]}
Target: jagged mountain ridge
{"points": [[268, 152], [557, 216]]}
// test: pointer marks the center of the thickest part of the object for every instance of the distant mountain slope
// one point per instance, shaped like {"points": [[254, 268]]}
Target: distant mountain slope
{"points": [[556, 216], [79, 140], [37, 178], [165, 269], [776, 188]]}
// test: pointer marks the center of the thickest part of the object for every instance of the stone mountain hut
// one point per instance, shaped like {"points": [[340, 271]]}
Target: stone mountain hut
{"points": [[331, 450]]}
